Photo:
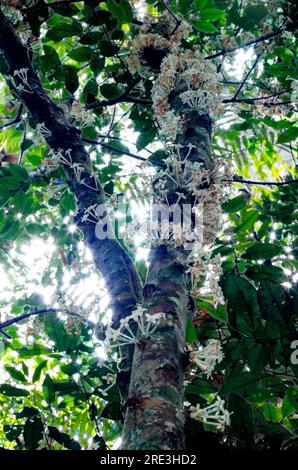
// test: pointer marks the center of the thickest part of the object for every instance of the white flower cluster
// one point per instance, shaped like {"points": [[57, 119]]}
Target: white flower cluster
{"points": [[156, 35], [204, 268], [200, 89], [81, 114], [214, 414], [64, 157], [42, 131], [207, 357], [127, 334], [22, 76], [11, 12]]}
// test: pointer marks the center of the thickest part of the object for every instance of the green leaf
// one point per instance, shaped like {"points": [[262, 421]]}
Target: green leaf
{"points": [[33, 433], [289, 135], [235, 204], [262, 251], [274, 301], [82, 54], [145, 138], [12, 431], [110, 90], [67, 203], [290, 402], [48, 389], [71, 79], [63, 439], [10, 391], [50, 60], [90, 91], [243, 308], [112, 411], [38, 370], [27, 412], [107, 49], [212, 14], [259, 272], [70, 369], [205, 27], [19, 172], [16, 374], [63, 30], [244, 381], [249, 221], [191, 334], [157, 157], [9, 183], [200, 5], [241, 418]]}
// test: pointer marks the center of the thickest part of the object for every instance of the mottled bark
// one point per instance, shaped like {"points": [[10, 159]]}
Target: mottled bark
{"points": [[121, 277], [154, 416]]}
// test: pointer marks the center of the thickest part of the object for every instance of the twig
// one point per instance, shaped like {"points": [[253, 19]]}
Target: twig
{"points": [[257, 98], [22, 147], [247, 76], [114, 149], [262, 183], [246, 44], [92, 413], [118, 99], [42, 311], [16, 120]]}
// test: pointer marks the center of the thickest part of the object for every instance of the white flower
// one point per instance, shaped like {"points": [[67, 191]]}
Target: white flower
{"points": [[43, 130], [214, 414], [22, 75], [206, 358]]}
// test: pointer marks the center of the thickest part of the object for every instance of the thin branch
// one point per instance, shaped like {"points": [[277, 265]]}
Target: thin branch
{"points": [[92, 412], [170, 12], [123, 98], [261, 183], [22, 147], [16, 120], [247, 76], [114, 149], [53, 4], [42, 311], [250, 84], [246, 44], [258, 98]]}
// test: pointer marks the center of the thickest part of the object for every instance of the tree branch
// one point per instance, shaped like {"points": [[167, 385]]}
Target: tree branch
{"points": [[257, 98], [42, 311], [16, 120], [123, 98], [261, 183], [247, 76], [120, 275], [246, 44]]}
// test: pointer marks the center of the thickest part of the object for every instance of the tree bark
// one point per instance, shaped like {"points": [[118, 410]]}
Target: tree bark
{"points": [[121, 278], [154, 418]]}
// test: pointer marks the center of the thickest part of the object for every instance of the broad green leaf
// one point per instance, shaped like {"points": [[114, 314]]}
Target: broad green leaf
{"points": [[262, 251], [10, 391], [33, 433], [243, 381]]}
